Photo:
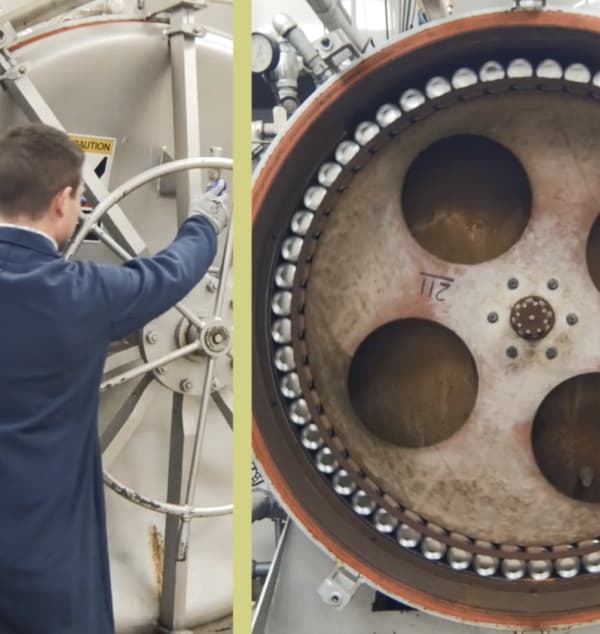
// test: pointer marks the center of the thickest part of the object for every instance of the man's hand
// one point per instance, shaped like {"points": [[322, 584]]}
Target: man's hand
{"points": [[213, 205]]}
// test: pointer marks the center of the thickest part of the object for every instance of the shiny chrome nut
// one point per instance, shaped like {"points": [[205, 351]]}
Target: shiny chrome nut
{"points": [[567, 566], [519, 68], [314, 197], [299, 412], [346, 151], [281, 331], [387, 114], [384, 522], [328, 173], [492, 71], [290, 386], [578, 73], [326, 462], [281, 304], [464, 78], [284, 359], [362, 503], [433, 549], [549, 69], [437, 87], [343, 484], [301, 222], [591, 561], [366, 132], [311, 437], [411, 99], [291, 248], [408, 536], [284, 276]]}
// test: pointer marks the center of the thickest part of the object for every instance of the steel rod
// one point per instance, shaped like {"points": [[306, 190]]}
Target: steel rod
{"points": [[151, 365]]}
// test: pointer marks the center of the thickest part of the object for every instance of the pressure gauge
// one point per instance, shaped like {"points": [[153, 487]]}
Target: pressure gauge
{"points": [[265, 53]]}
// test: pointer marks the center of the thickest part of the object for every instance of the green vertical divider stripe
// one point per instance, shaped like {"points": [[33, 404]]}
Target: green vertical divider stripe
{"points": [[242, 316]]}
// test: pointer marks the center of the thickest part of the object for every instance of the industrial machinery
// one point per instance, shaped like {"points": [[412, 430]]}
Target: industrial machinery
{"points": [[145, 89], [426, 300]]}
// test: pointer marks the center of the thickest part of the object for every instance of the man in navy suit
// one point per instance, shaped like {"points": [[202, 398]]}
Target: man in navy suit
{"points": [[56, 321]]}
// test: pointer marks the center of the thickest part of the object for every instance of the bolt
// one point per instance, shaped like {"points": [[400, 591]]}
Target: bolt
{"points": [[211, 285], [161, 370], [552, 284], [218, 337], [215, 385], [326, 43], [512, 352], [572, 319], [186, 385], [513, 283], [492, 318], [22, 69], [551, 353], [335, 598], [152, 337]]}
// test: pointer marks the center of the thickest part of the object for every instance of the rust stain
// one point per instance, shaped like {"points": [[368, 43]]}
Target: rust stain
{"points": [[157, 553]]}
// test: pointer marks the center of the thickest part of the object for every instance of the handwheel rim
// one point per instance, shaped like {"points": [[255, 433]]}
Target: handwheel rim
{"points": [[184, 511], [277, 467]]}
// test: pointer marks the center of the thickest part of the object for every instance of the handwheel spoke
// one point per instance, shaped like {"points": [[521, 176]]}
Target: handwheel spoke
{"points": [[115, 219], [147, 367], [116, 433]]}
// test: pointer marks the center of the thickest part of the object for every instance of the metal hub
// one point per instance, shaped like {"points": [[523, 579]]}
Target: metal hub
{"points": [[532, 317]]}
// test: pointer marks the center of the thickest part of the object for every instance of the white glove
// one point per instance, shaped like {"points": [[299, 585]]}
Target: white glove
{"points": [[213, 205]]}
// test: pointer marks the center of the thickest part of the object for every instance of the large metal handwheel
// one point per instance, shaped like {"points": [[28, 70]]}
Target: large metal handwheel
{"points": [[194, 339], [426, 305]]}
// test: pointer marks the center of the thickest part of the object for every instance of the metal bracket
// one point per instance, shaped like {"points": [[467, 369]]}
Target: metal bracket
{"points": [[186, 30], [152, 7], [529, 5], [335, 48], [7, 35], [339, 587]]}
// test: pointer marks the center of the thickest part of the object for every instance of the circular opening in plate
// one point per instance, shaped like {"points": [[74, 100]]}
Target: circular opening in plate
{"points": [[466, 199], [593, 253], [566, 437], [413, 383]]}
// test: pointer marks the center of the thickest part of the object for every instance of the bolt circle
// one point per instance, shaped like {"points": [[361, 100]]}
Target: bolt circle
{"points": [[513, 283], [552, 284], [512, 352], [572, 319], [492, 317], [552, 352]]}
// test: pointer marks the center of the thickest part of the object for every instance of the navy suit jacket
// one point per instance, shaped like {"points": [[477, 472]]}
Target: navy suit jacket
{"points": [[56, 321]]}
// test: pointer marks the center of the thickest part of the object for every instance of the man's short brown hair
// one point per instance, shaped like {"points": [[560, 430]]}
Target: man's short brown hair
{"points": [[36, 162]]}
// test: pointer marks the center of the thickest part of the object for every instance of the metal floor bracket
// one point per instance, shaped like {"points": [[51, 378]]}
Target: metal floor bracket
{"points": [[339, 587]]}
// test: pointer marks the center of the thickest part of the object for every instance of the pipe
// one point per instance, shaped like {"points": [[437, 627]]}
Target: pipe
{"points": [[264, 505], [288, 29], [260, 569], [333, 15]]}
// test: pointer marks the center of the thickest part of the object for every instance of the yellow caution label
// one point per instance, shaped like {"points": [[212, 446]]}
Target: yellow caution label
{"points": [[94, 144]]}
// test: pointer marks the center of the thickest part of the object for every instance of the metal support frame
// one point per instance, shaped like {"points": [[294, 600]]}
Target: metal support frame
{"points": [[186, 106]]}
